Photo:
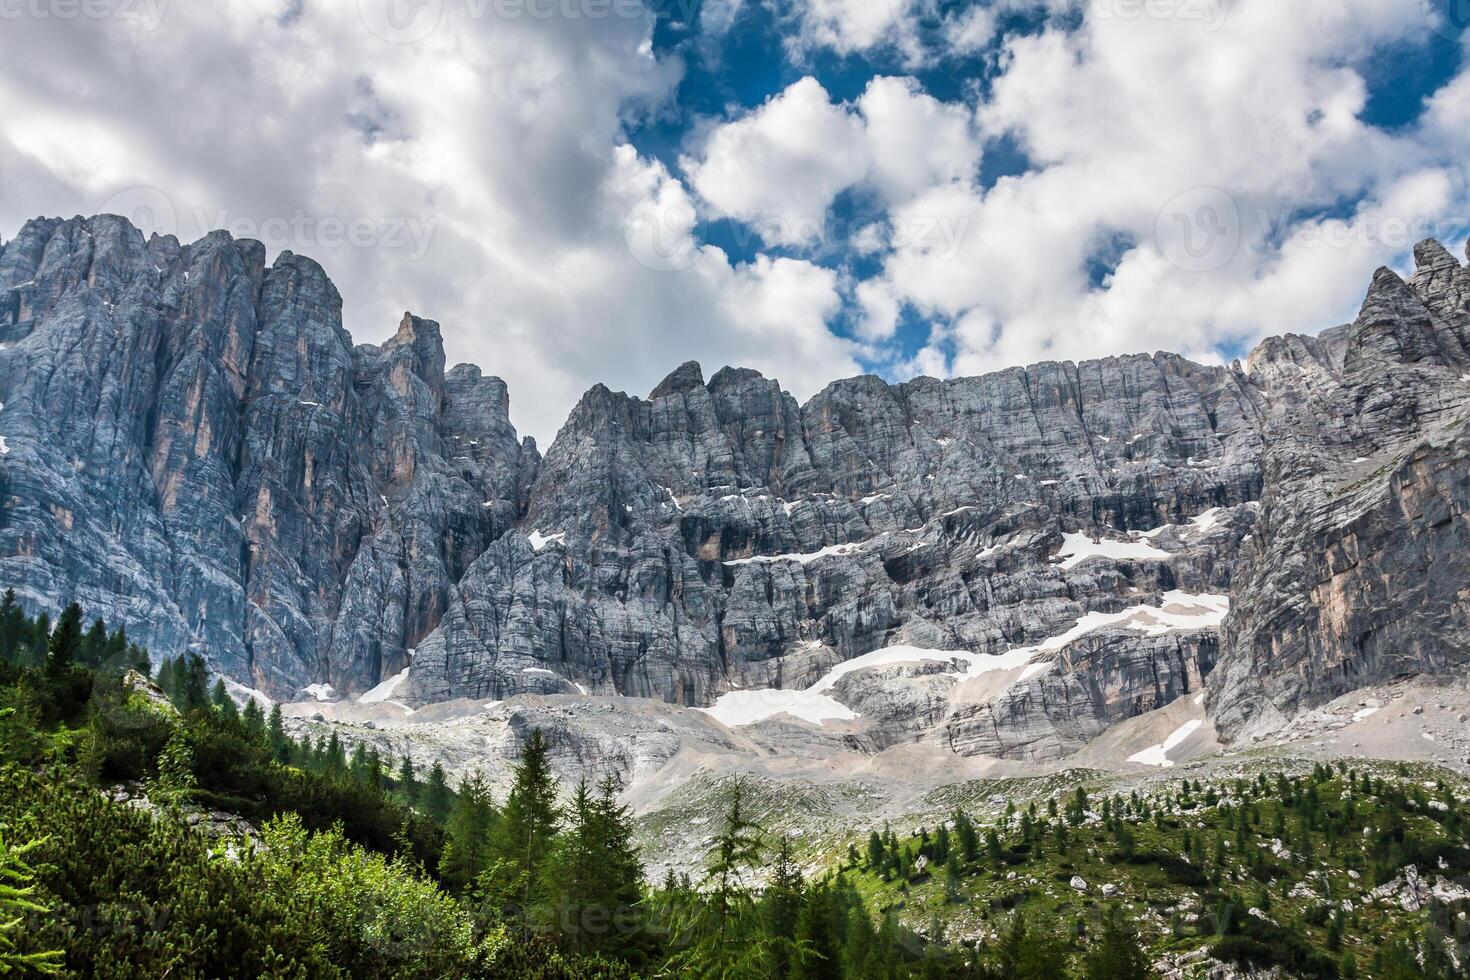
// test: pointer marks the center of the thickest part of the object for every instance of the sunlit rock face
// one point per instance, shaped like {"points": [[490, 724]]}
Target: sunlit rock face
{"points": [[196, 449], [1361, 570]]}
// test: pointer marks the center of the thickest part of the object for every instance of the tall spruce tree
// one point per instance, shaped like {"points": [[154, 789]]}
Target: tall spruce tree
{"points": [[276, 737], [14, 628], [193, 684], [598, 875], [437, 798], [254, 720], [815, 953], [93, 649], [524, 838], [717, 930], [782, 900], [408, 782], [1024, 954], [65, 643], [468, 848]]}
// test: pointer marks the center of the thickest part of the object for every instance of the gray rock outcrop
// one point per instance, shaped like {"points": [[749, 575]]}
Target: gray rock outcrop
{"points": [[194, 448]]}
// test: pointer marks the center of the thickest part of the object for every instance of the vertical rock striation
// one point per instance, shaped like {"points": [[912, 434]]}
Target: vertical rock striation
{"points": [[195, 448]]}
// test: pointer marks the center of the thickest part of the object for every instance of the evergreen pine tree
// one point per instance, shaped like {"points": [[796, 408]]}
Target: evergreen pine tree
{"points": [[718, 928], [1027, 955], [1116, 954], [359, 764], [598, 876], [64, 643], [816, 954], [220, 698], [468, 849], [275, 736], [858, 946], [964, 831], [782, 903], [93, 648], [117, 654], [436, 796], [335, 756], [408, 783], [10, 626], [875, 850], [254, 719], [527, 829], [193, 684]]}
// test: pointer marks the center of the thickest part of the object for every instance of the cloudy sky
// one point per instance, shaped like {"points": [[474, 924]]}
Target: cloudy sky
{"points": [[596, 190]]}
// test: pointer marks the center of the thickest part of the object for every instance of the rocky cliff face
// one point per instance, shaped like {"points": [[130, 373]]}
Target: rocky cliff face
{"points": [[195, 447], [1361, 570]]}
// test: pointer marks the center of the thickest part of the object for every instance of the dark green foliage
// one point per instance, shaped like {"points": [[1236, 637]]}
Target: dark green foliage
{"points": [[132, 896], [521, 844], [467, 848], [437, 798], [374, 870], [1027, 955], [596, 883], [1117, 954], [19, 902], [65, 642]]}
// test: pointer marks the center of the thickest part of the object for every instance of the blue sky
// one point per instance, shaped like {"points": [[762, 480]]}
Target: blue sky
{"points": [[738, 70], [813, 188]]}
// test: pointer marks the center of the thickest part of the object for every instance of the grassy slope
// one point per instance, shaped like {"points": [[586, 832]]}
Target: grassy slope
{"points": [[1179, 901]]}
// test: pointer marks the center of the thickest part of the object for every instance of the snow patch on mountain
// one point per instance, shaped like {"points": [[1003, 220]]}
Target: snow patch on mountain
{"points": [[1158, 755]]}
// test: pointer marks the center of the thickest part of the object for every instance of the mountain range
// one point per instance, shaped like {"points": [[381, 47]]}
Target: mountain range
{"points": [[192, 446]]}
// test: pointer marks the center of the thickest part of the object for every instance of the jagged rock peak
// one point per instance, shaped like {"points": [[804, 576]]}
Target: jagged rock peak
{"points": [[733, 376], [412, 330], [686, 377], [1431, 255]]}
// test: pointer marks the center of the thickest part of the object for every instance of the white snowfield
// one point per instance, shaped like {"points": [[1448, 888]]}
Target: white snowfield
{"points": [[240, 693], [1158, 755], [748, 707], [540, 541], [386, 690], [1077, 548], [979, 663], [1180, 610], [804, 559], [322, 692], [1197, 525]]}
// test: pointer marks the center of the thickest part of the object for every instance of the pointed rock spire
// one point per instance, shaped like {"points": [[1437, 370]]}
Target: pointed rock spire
{"points": [[686, 377], [1431, 256], [1393, 324]]}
